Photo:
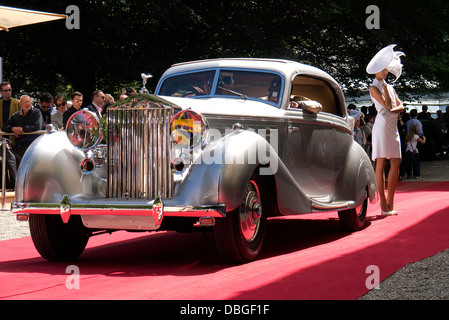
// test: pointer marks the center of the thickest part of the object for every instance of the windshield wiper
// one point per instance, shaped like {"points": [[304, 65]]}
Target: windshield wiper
{"points": [[241, 95]]}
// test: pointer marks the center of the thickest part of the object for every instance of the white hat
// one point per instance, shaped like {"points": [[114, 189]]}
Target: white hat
{"points": [[388, 59]]}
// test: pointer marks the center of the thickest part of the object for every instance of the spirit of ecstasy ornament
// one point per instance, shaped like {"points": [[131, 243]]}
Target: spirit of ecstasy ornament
{"points": [[145, 77]]}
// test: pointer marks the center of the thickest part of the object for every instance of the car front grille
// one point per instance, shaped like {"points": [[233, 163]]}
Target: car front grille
{"points": [[139, 152]]}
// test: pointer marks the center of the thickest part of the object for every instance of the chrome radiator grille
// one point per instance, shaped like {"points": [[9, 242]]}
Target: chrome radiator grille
{"points": [[139, 153]]}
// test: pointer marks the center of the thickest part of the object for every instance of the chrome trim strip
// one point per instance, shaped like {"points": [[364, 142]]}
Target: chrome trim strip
{"points": [[216, 211], [331, 206]]}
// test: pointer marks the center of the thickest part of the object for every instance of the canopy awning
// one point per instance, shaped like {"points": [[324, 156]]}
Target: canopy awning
{"points": [[14, 17]]}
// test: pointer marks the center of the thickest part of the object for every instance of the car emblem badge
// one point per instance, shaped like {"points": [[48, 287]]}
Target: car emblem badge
{"points": [[158, 211], [64, 209]]}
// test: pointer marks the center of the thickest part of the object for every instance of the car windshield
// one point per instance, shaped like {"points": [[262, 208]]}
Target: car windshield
{"points": [[230, 83], [188, 85]]}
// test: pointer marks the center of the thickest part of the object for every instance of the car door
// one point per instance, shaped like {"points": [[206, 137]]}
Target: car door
{"points": [[316, 144]]}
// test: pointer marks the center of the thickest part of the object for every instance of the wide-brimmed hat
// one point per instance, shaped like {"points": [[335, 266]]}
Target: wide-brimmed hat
{"points": [[388, 59]]}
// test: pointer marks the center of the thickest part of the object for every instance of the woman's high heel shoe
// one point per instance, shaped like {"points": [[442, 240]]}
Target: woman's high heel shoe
{"points": [[389, 213]]}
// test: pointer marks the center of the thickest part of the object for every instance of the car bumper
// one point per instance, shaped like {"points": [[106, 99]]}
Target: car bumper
{"points": [[108, 207]]}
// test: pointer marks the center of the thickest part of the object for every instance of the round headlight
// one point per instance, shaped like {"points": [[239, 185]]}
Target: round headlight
{"points": [[84, 130], [189, 129]]}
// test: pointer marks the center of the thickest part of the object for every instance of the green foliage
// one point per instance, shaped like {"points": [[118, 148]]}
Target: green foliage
{"points": [[119, 39]]}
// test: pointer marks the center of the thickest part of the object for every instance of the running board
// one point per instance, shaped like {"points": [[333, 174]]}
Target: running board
{"points": [[318, 205]]}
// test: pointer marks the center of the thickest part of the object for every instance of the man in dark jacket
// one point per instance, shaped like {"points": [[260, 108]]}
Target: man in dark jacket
{"points": [[27, 119]]}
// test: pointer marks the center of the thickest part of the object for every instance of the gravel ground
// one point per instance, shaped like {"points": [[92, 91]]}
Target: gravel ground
{"points": [[10, 228], [427, 279]]}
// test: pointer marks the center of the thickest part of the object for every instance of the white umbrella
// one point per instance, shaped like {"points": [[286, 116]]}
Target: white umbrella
{"points": [[14, 17]]}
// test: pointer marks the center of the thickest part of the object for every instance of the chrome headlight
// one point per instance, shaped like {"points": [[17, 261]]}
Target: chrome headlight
{"points": [[84, 130], [189, 130]]}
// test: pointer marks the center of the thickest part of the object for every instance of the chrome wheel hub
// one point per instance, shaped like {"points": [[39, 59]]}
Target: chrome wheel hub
{"points": [[250, 212]]}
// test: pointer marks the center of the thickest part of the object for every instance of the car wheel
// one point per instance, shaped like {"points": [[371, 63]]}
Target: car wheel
{"points": [[58, 241], [354, 219], [239, 236]]}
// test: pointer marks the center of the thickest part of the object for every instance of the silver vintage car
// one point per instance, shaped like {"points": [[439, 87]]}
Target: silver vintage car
{"points": [[223, 145]]}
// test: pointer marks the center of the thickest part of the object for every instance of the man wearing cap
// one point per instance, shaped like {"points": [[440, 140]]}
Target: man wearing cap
{"points": [[386, 143]]}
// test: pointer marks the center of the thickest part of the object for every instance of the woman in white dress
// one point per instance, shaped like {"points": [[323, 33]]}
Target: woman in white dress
{"points": [[386, 143]]}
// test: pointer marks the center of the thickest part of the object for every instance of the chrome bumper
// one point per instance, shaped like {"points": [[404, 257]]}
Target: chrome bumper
{"points": [[155, 209]]}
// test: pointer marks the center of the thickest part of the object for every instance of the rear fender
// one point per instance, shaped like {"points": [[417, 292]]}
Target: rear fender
{"points": [[357, 176]]}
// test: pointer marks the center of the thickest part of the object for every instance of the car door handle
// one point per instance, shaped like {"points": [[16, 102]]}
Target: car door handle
{"points": [[293, 129]]}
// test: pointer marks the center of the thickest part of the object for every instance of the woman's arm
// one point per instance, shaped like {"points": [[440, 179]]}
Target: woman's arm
{"points": [[399, 107], [383, 100]]}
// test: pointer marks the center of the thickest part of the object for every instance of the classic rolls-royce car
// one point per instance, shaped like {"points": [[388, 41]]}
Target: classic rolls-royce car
{"points": [[222, 145]]}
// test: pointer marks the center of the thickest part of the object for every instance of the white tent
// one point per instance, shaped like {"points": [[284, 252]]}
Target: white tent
{"points": [[14, 17]]}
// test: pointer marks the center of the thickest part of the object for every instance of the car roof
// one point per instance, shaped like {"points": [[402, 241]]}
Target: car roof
{"points": [[286, 67]]}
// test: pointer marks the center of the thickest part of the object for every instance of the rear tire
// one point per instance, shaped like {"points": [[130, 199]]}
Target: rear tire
{"points": [[239, 236], [58, 241], [354, 219]]}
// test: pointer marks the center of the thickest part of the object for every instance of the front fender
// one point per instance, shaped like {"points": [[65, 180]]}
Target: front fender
{"points": [[50, 169], [245, 152], [222, 170]]}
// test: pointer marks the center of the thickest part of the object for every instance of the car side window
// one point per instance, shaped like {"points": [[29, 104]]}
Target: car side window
{"points": [[316, 90]]}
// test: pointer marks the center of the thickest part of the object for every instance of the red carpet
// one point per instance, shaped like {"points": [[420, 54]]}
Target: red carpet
{"points": [[302, 258]]}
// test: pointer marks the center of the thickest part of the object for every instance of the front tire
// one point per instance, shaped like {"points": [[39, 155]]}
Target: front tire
{"points": [[58, 241], [239, 236]]}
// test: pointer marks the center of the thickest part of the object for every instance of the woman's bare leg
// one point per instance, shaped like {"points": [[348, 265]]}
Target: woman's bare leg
{"points": [[393, 177], [380, 179]]}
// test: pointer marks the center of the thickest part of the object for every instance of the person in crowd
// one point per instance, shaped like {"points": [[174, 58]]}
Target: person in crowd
{"points": [[368, 130], [61, 107], [424, 114], [8, 104], [26, 120], [386, 142], [77, 101], [440, 117], [446, 116], [364, 110], [359, 133], [412, 158], [353, 115], [414, 121], [46, 107], [98, 101], [109, 101]]}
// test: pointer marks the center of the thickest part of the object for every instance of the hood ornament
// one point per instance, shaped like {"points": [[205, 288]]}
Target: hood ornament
{"points": [[145, 77]]}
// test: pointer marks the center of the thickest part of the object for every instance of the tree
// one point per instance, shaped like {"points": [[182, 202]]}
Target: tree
{"points": [[119, 39]]}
